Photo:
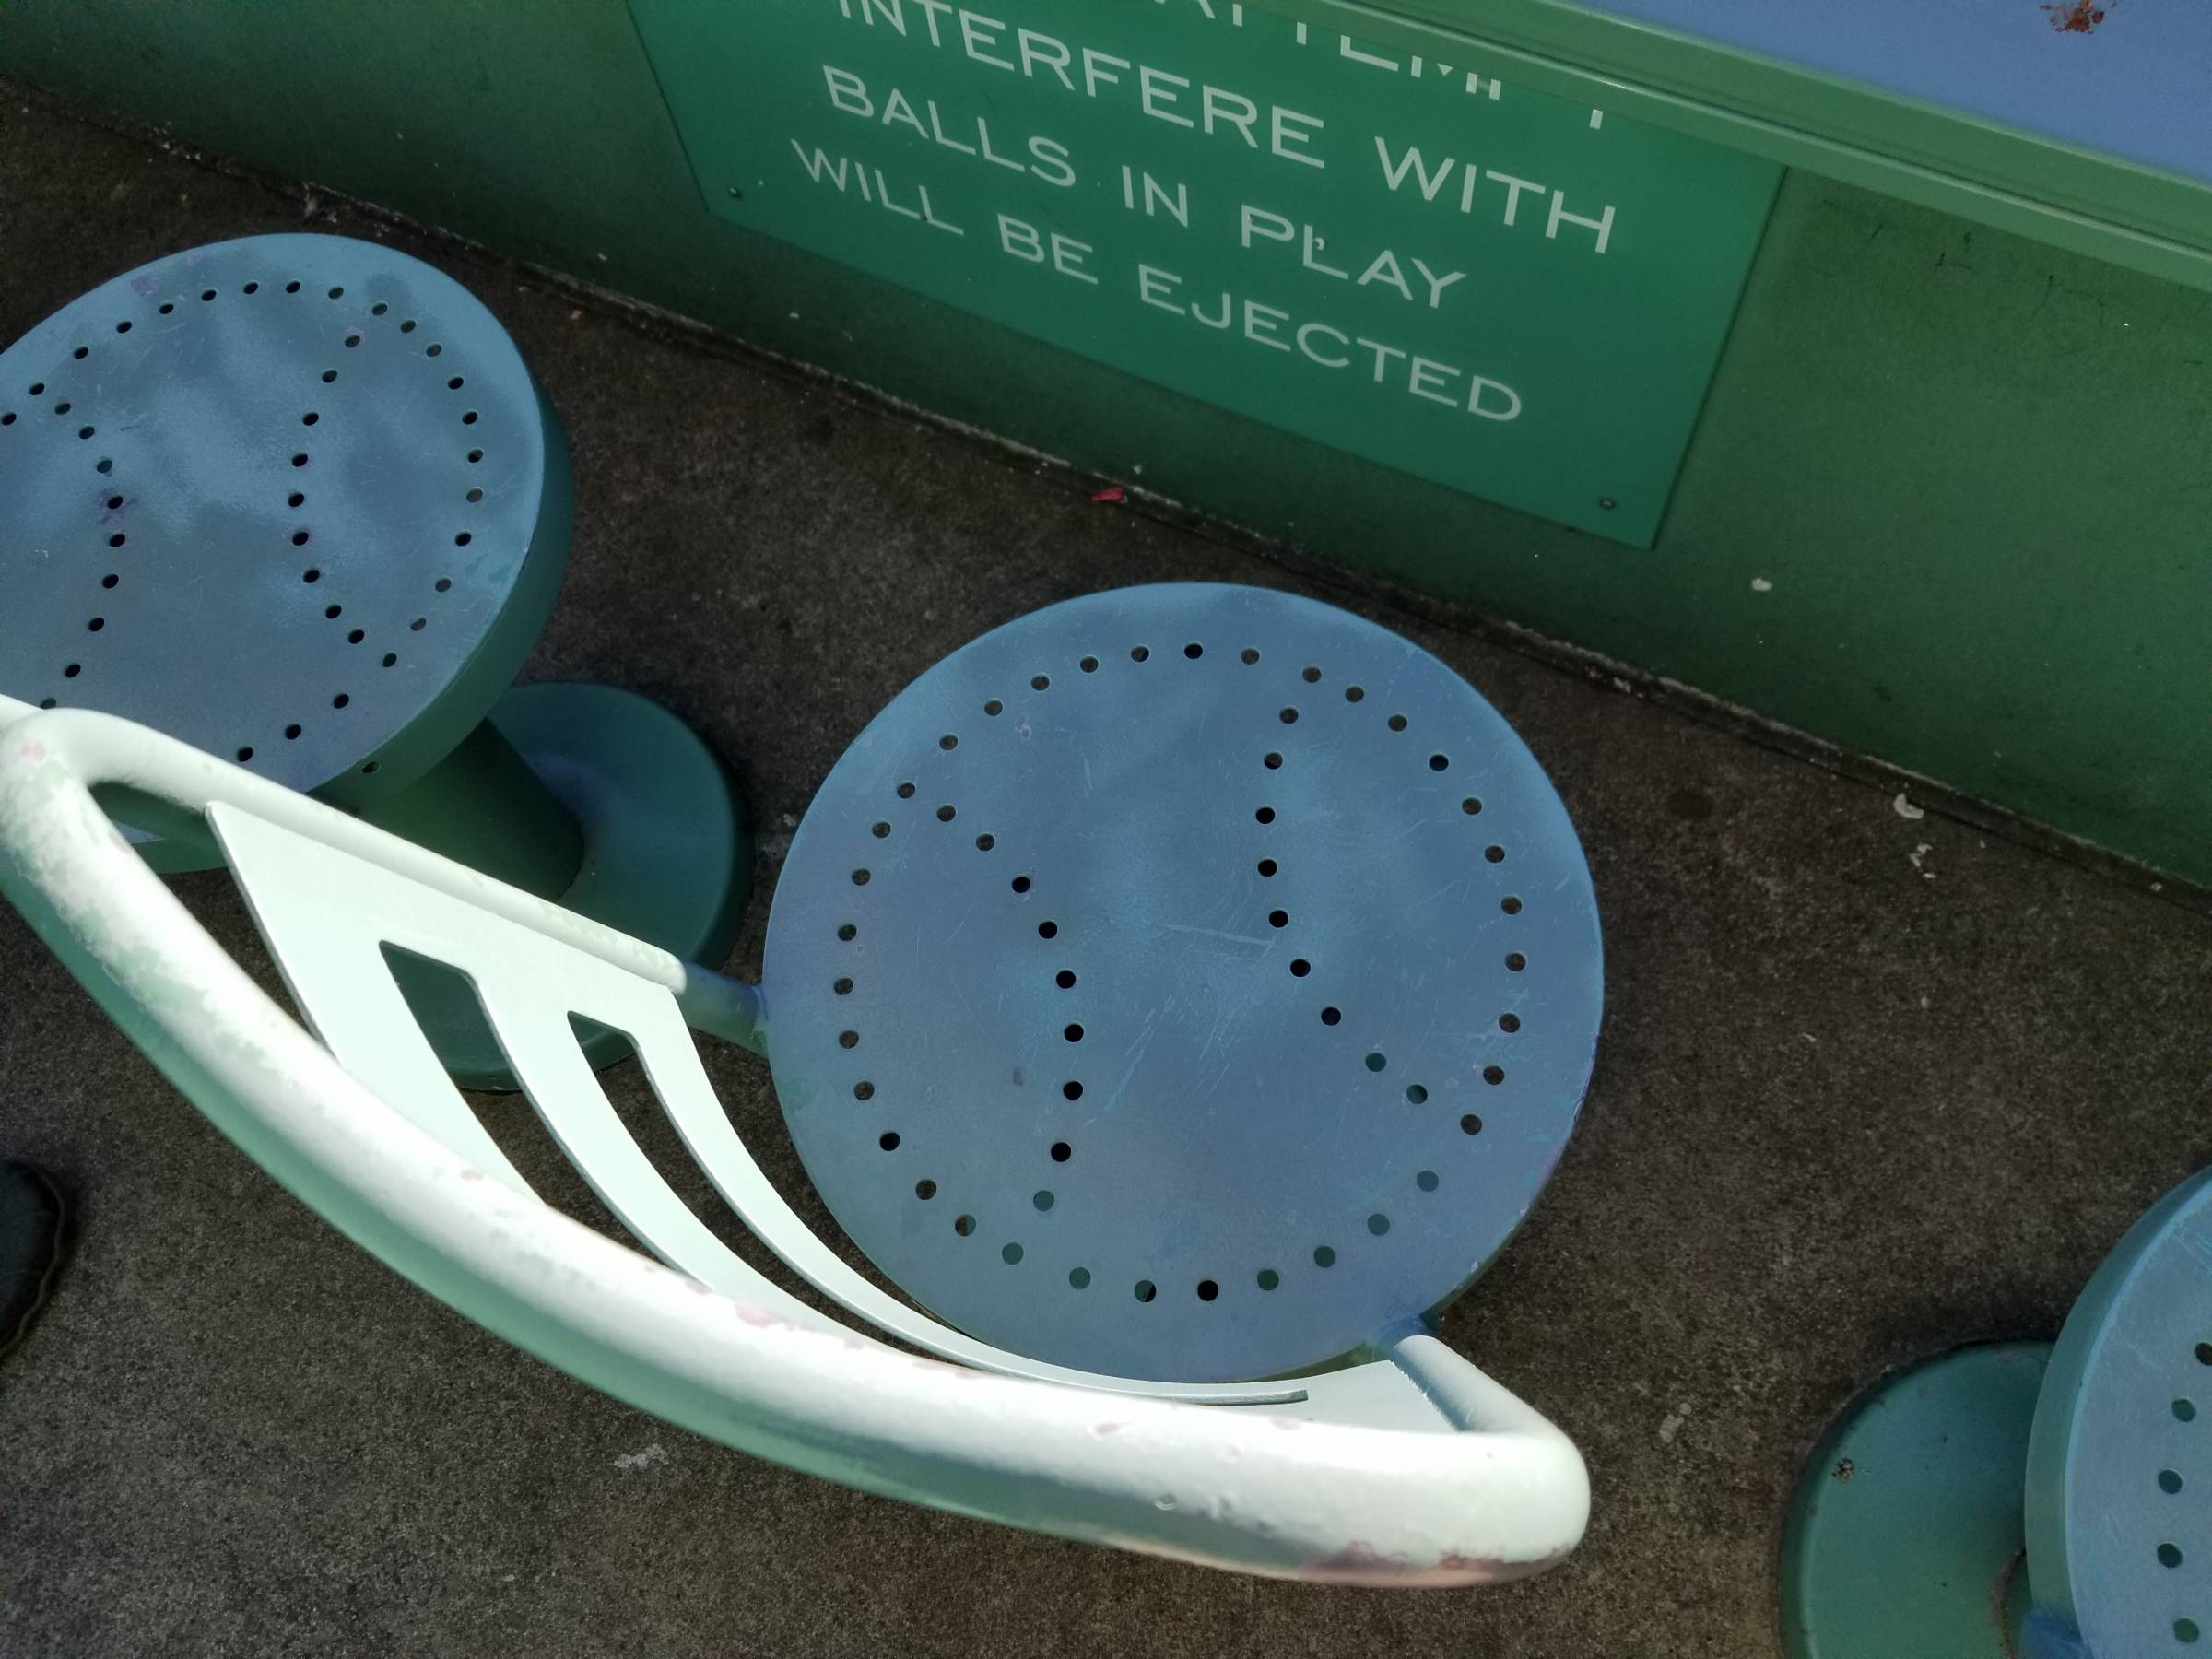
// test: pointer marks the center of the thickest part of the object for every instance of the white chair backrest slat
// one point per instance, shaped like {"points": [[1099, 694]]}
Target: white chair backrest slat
{"points": [[327, 915], [312, 904]]}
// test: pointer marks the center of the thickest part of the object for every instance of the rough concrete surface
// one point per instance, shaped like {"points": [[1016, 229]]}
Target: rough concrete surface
{"points": [[1868, 1086]]}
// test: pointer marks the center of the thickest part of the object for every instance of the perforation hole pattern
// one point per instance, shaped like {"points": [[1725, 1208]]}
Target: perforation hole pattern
{"points": [[2137, 1529], [1266, 953], [360, 556]]}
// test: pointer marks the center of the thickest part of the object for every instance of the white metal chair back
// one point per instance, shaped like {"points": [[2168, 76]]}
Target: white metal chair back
{"points": [[1409, 1467]]}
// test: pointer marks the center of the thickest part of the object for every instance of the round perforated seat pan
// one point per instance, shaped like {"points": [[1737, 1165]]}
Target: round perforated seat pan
{"points": [[294, 499], [2120, 1467], [1188, 982]]}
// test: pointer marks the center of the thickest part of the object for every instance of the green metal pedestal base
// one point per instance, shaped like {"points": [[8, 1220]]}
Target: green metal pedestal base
{"points": [[1904, 1540], [667, 855]]}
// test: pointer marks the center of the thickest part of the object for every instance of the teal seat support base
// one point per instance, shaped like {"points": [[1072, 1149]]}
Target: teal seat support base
{"points": [[1905, 1538], [483, 807], [480, 806], [664, 850]]}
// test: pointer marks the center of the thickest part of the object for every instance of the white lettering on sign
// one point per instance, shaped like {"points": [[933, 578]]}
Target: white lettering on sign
{"points": [[1026, 241], [833, 170], [1372, 242], [952, 46], [1158, 198], [1327, 346], [1151, 91], [1045, 158], [1385, 267], [1603, 224], [1430, 183]]}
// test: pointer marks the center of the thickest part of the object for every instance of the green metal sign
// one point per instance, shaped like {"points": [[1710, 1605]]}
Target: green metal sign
{"points": [[1410, 260]]}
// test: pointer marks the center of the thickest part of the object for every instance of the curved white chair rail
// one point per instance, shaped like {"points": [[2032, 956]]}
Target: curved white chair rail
{"points": [[1414, 1468]]}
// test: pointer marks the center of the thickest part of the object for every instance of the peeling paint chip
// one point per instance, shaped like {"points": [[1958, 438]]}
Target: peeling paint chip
{"points": [[655, 1453], [1906, 809], [2076, 17]]}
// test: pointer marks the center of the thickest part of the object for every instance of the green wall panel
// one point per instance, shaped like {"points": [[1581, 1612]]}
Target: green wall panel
{"points": [[1482, 285], [1947, 505]]}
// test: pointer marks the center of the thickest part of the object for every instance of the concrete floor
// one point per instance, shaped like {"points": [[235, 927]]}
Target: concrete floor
{"points": [[1868, 1086]]}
